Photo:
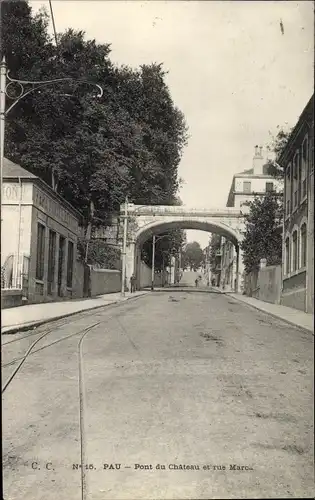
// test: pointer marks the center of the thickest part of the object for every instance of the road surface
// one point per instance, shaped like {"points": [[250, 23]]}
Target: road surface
{"points": [[170, 396]]}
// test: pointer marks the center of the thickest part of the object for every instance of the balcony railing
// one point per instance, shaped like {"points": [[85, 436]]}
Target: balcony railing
{"points": [[14, 272]]}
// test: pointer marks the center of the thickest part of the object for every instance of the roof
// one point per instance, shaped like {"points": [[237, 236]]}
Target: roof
{"points": [[11, 169], [250, 172]]}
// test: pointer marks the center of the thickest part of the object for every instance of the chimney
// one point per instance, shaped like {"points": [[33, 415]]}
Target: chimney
{"points": [[258, 161]]}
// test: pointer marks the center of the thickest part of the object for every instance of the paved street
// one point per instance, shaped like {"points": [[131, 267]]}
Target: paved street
{"points": [[219, 394]]}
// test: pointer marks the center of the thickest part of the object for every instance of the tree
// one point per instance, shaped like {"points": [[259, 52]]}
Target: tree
{"points": [[262, 238], [193, 256], [91, 151], [99, 254], [276, 146], [168, 244]]}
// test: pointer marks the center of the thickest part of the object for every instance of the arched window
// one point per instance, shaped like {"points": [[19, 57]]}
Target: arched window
{"points": [[287, 255], [304, 164], [294, 251], [288, 191], [295, 180], [303, 242]]}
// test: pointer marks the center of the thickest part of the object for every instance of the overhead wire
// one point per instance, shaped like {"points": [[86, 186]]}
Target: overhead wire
{"points": [[53, 22]]}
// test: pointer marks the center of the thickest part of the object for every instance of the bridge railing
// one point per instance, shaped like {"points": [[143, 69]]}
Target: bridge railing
{"points": [[179, 210]]}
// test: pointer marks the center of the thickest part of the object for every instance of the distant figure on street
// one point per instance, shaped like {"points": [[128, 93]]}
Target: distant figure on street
{"points": [[196, 282], [213, 282], [132, 283]]}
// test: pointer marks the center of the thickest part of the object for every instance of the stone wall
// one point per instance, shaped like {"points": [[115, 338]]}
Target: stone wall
{"points": [[294, 291], [145, 275], [104, 281], [269, 283], [78, 280], [11, 298], [250, 284], [295, 299]]}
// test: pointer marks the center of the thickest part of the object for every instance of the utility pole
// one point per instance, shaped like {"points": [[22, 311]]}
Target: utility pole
{"points": [[123, 270], [153, 262], [3, 80]]}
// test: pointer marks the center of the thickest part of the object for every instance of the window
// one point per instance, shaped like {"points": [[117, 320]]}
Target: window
{"points": [[294, 251], [40, 256], [247, 186], [51, 259], [288, 190], [70, 265], [303, 245], [269, 186], [304, 162], [287, 255], [295, 179]]}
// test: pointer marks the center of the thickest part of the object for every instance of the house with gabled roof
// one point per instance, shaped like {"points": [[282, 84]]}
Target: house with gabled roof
{"points": [[39, 235]]}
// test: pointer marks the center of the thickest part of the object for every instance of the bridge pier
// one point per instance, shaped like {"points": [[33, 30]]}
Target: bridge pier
{"points": [[239, 270]]}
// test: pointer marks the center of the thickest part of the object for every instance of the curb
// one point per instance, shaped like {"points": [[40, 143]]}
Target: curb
{"points": [[186, 290], [35, 324], [273, 315]]}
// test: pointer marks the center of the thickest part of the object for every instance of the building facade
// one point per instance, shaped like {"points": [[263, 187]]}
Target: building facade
{"points": [[39, 237], [253, 182], [244, 188], [297, 160]]}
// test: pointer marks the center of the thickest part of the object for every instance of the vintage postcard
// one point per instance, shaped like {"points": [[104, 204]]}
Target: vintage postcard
{"points": [[157, 259]]}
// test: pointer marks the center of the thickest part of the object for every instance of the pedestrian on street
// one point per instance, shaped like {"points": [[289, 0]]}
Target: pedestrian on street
{"points": [[132, 283], [196, 282]]}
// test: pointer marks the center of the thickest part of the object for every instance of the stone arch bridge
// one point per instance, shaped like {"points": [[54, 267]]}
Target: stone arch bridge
{"points": [[145, 221]]}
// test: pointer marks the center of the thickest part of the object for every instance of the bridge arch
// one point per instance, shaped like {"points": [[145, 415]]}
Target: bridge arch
{"points": [[144, 221], [157, 227], [211, 226]]}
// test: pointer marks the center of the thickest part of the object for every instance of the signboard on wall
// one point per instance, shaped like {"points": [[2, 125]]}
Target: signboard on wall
{"points": [[54, 209]]}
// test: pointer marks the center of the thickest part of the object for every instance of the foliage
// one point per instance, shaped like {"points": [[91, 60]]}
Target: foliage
{"points": [[193, 256], [168, 244], [99, 254], [92, 151], [262, 238], [277, 145]]}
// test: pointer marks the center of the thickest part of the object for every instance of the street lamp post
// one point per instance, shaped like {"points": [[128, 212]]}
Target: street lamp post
{"points": [[124, 251], [123, 270], [154, 241], [153, 263], [25, 87]]}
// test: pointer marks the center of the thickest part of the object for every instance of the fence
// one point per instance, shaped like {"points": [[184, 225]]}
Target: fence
{"points": [[104, 281], [250, 285], [264, 284], [15, 272], [270, 282]]}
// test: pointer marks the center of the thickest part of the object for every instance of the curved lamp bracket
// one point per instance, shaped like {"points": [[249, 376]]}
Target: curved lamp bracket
{"points": [[23, 89]]}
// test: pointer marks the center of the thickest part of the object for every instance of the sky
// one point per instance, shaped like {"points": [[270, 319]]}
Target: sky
{"points": [[236, 69]]}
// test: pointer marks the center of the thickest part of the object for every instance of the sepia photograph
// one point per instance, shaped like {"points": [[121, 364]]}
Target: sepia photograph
{"points": [[157, 249]]}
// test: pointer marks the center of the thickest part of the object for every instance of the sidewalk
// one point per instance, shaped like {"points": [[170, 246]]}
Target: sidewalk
{"points": [[21, 318], [289, 315]]}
